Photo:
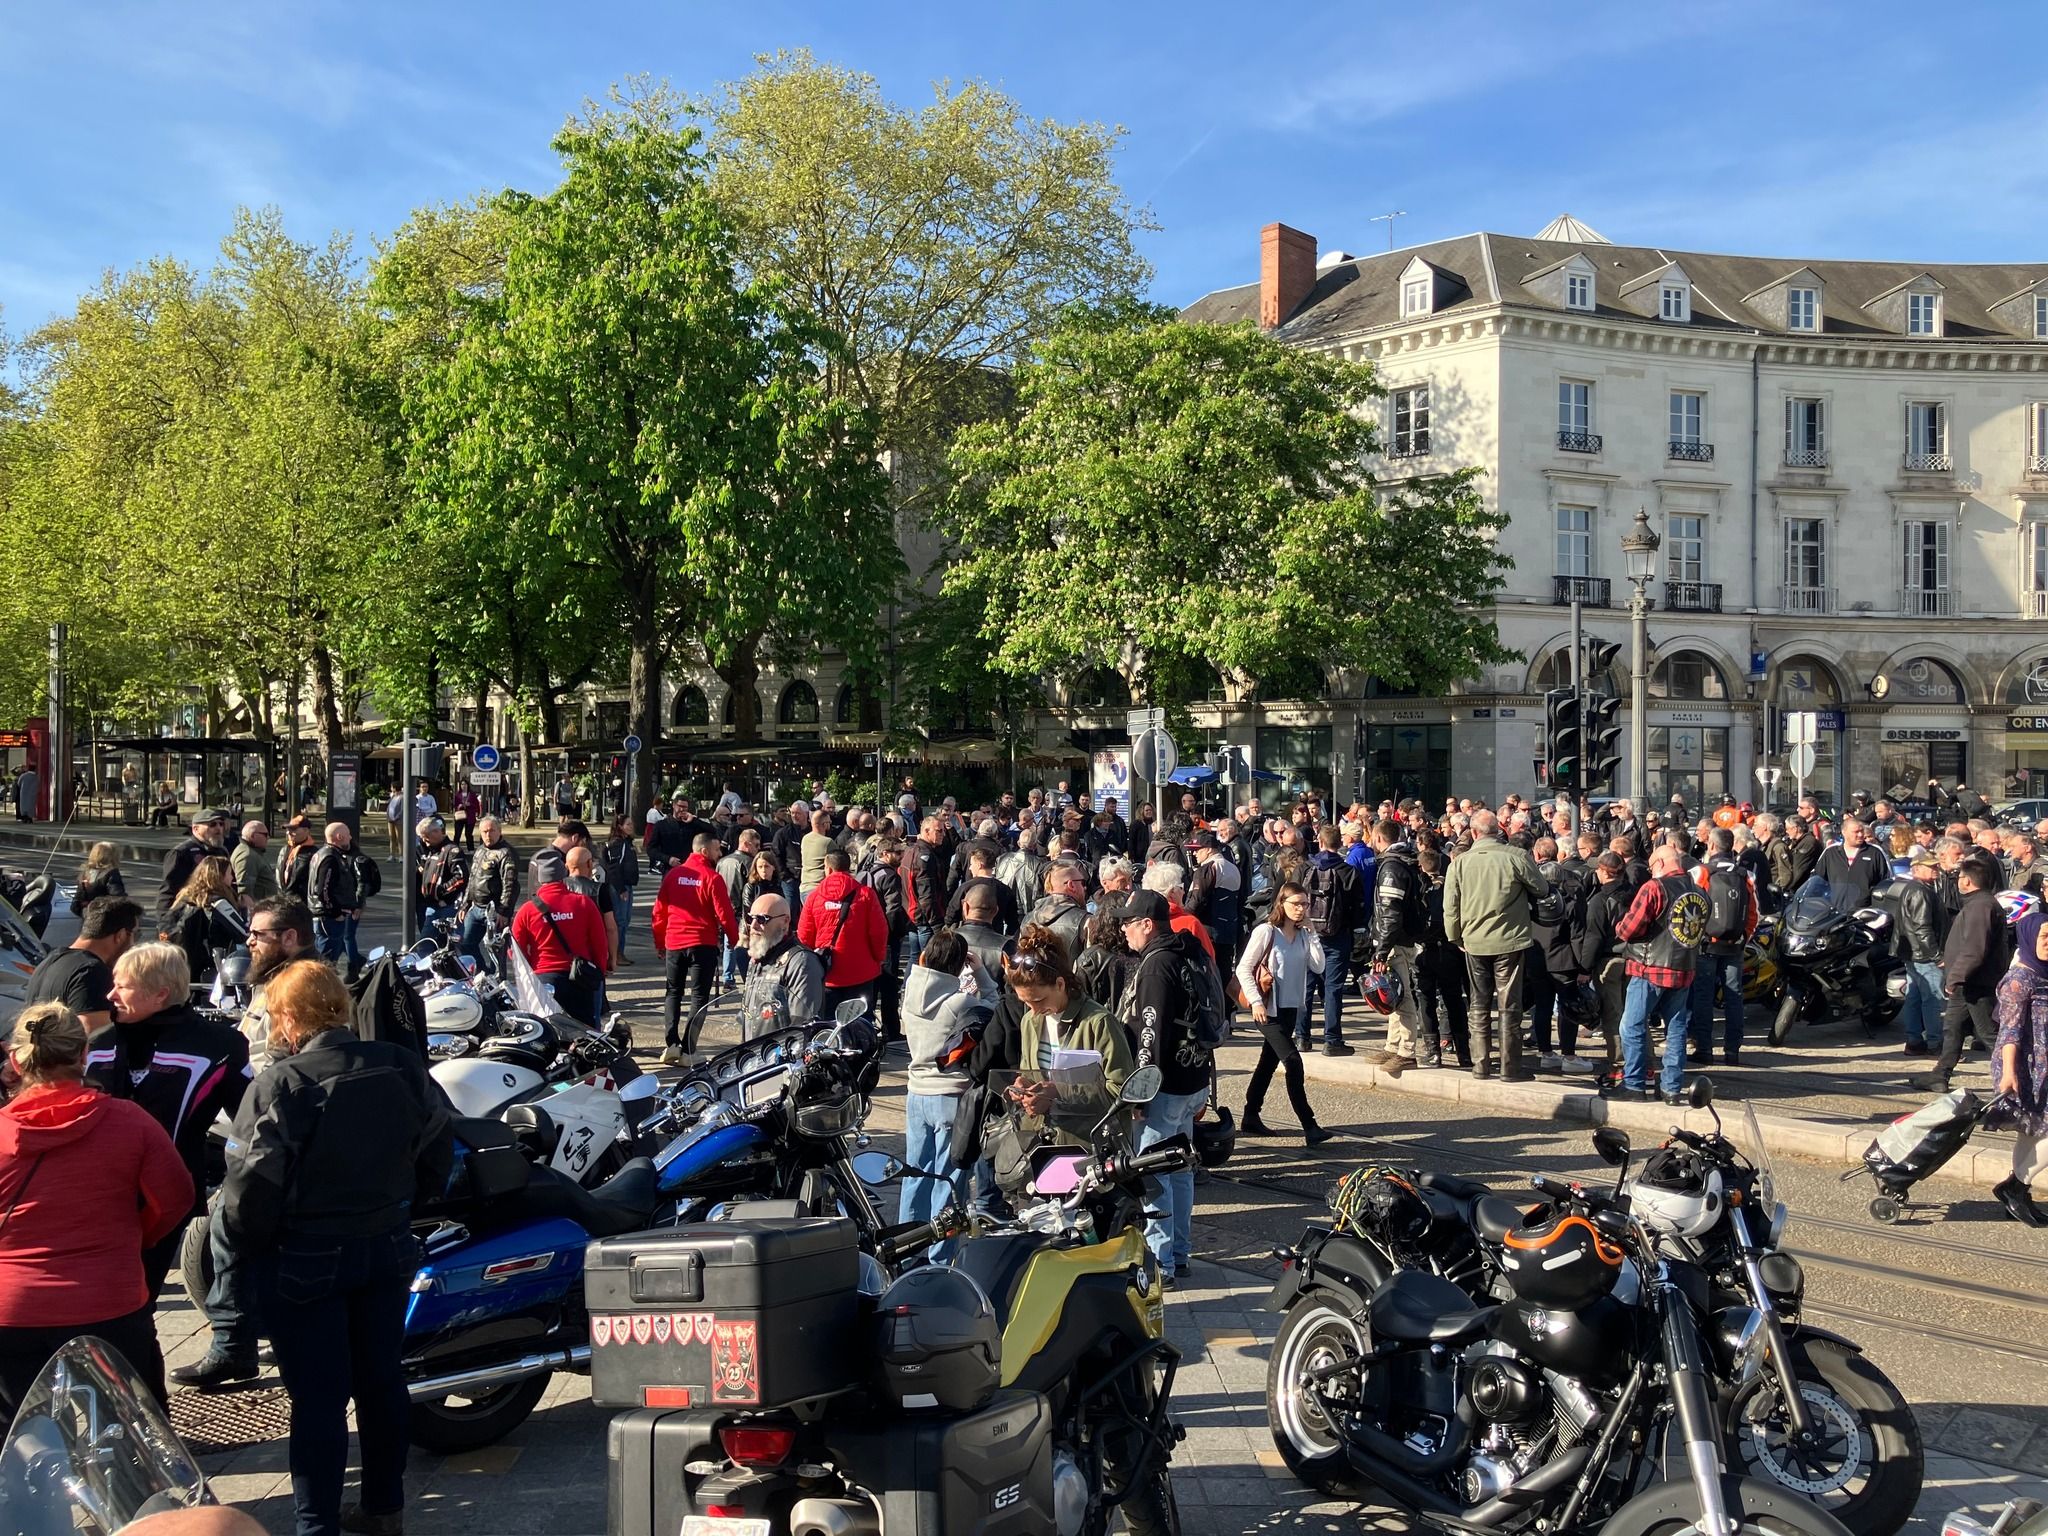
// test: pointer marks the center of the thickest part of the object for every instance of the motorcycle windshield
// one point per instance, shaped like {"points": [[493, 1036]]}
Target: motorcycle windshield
{"points": [[527, 992], [20, 950], [1760, 1155], [90, 1451]]}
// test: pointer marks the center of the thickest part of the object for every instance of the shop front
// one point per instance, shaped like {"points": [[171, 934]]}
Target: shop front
{"points": [[1808, 685], [1925, 730], [2026, 731], [1405, 754], [1691, 723], [1299, 754]]}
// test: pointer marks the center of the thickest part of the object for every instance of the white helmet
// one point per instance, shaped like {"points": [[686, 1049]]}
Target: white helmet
{"points": [[1677, 1192]]}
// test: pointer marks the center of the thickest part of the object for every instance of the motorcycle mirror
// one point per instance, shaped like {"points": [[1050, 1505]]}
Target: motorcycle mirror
{"points": [[876, 1168], [1612, 1144], [1700, 1095], [375, 955], [230, 914], [849, 1010], [1142, 1086]]}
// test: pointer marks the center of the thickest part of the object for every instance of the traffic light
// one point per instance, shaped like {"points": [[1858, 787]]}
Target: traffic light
{"points": [[1602, 727], [1600, 656], [1562, 731]]}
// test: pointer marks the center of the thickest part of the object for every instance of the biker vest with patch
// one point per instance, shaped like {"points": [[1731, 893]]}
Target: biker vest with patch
{"points": [[1680, 931]]}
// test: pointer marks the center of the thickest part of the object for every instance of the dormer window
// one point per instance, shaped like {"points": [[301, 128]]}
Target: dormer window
{"points": [[1802, 309], [1415, 297], [1923, 314], [1674, 302], [1578, 290]]}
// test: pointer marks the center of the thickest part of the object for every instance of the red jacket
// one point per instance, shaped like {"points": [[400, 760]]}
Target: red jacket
{"points": [[693, 908], [863, 937], [109, 1183], [576, 920]]}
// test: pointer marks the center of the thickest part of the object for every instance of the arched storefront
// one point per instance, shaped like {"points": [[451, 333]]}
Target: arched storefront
{"points": [[1810, 685], [2025, 697], [1691, 719], [1925, 730]]}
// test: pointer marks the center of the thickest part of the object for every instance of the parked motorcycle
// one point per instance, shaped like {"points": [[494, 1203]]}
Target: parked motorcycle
{"points": [[1555, 1408], [31, 896], [1849, 1440], [21, 951], [90, 1452], [2018, 1517], [1822, 959], [1024, 1387]]}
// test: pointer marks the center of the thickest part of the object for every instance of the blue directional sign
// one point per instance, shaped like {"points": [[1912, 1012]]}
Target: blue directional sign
{"points": [[632, 745], [484, 757]]}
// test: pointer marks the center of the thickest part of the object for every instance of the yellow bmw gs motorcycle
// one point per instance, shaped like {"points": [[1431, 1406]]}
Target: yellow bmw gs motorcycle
{"points": [[1018, 1386]]}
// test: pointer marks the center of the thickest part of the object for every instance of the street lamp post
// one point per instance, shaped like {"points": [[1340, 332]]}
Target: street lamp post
{"points": [[1639, 546]]}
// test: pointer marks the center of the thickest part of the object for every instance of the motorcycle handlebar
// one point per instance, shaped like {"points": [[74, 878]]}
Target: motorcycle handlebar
{"points": [[1556, 1189], [1159, 1160]]}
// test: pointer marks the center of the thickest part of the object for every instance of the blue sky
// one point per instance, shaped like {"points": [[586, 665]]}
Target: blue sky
{"points": [[1867, 130]]}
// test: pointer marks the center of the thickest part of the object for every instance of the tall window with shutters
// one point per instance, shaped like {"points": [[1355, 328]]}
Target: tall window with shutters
{"points": [[1923, 584]]}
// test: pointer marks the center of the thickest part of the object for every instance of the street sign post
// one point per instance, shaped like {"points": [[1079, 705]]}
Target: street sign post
{"points": [[1802, 728], [631, 747], [484, 757], [1139, 721], [1155, 757], [1800, 760], [1768, 777], [486, 776]]}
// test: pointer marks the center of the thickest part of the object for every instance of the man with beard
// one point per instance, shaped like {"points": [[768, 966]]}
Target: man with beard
{"points": [[785, 982], [209, 837], [280, 931]]}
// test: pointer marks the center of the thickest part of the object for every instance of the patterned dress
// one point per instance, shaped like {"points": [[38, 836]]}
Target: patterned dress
{"points": [[2023, 1021]]}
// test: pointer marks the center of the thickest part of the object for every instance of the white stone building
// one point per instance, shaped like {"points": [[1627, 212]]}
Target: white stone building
{"points": [[1847, 463]]}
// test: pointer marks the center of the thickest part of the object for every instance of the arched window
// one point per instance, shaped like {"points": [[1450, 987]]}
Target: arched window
{"points": [[1554, 670], [798, 705], [1298, 679], [759, 713], [856, 709], [1923, 680], [1198, 683], [1375, 688], [1690, 676], [689, 710], [1806, 682], [1103, 688]]}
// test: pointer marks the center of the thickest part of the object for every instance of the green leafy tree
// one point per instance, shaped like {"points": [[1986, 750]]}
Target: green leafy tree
{"points": [[667, 417], [1174, 494]]}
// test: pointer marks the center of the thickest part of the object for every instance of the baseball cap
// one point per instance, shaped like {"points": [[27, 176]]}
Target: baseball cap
{"points": [[1142, 904], [299, 824], [1922, 856], [1205, 839], [211, 814]]}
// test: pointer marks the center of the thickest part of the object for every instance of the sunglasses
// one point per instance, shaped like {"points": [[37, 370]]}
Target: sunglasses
{"points": [[257, 935], [761, 919]]}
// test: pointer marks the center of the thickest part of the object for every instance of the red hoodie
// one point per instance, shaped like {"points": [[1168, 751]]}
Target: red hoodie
{"points": [[692, 908], [863, 937], [93, 1181]]}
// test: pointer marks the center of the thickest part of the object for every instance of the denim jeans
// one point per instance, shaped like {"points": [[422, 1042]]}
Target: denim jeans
{"points": [[928, 1145], [335, 938], [474, 923], [622, 909], [228, 1307], [1647, 1000], [1170, 1234], [1330, 983], [336, 1312], [1724, 972], [1921, 1011]]}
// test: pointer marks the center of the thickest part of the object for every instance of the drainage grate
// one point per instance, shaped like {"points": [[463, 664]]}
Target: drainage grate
{"points": [[210, 1422]]}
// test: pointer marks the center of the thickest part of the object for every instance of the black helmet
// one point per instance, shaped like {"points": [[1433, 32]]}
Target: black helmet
{"points": [[1216, 1137], [1559, 1261], [1382, 1204], [1579, 1003], [939, 1343]]}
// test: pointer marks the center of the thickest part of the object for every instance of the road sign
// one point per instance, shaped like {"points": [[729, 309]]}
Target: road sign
{"points": [[1801, 726], [1139, 721], [486, 776], [1769, 776], [484, 756], [1800, 759], [1155, 756], [631, 745]]}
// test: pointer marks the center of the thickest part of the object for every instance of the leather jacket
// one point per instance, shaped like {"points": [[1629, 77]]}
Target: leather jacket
{"points": [[1919, 924]]}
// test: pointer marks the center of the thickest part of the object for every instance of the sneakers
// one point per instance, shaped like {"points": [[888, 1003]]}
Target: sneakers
{"points": [[672, 1056], [215, 1371], [1577, 1066]]}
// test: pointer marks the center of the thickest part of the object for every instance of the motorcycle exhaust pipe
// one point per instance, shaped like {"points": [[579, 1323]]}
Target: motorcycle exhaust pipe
{"points": [[1520, 1494], [484, 1377], [832, 1517]]}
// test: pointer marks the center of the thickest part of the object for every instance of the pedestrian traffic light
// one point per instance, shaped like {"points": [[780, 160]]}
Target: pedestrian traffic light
{"points": [[1562, 731], [1602, 729], [1600, 656]]}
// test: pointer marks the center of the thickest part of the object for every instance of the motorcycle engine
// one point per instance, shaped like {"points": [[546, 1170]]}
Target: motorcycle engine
{"points": [[1069, 1493]]}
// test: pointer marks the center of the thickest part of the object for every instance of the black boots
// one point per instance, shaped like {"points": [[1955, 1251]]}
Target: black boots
{"points": [[216, 1370], [1252, 1125], [2018, 1201]]}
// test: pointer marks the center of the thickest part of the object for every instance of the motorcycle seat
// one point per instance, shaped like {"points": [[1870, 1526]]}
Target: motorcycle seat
{"points": [[623, 1203], [1457, 1188], [1412, 1306], [1489, 1215]]}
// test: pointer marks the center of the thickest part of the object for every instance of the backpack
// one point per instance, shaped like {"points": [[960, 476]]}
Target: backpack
{"points": [[387, 1008], [1727, 910], [1325, 901], [1204, 1020]]}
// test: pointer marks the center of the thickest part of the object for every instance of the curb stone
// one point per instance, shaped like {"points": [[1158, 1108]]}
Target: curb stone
{"points": [[1833, 1141]]}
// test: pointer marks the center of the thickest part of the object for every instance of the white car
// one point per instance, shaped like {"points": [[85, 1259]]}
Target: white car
{"points": [[2019, 812]]}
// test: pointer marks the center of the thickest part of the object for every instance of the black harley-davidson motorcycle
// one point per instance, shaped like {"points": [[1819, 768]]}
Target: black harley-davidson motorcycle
{"points": [[1557, 1409]]}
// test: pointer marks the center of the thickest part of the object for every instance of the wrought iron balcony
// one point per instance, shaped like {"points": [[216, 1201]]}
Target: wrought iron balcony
{"points": [[2037, 463], [1690, 452], [1578, 442], [1693, 596], [1927, 602], [2034, 604], [1807, 599], [1806, 458], [1590, 590], [1412, 447], [1930, 463]]}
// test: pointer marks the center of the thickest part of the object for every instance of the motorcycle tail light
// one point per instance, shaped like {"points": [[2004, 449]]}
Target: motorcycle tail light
{"points": [[758, 1445]]}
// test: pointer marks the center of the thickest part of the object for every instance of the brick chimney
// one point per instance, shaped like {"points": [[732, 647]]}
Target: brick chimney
{"points": [[1287, 270]]}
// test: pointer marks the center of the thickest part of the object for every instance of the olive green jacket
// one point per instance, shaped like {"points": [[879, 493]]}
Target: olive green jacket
{"points": [[1487, 892]]}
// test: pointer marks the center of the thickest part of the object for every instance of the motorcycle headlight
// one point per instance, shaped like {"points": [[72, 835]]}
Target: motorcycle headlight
{"points": [[1737, 1337]]}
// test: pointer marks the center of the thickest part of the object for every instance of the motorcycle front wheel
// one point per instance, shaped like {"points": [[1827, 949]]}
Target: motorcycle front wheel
{"points": [[1673, 1509], [1789, 1008], [195, 1263], [1318, 1330], [1864, 1463]]}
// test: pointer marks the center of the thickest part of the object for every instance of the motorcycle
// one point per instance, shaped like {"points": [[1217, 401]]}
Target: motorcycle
{"points": [[21, 951], [31, 896], [1823, 963], [2018, 1517], [460, 997], [498, 1305], [1847, 1439], [1553, 1409], [91, 1452], [1023, 1387]]}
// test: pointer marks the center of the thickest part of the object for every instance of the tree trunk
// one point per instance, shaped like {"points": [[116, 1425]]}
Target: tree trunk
{"points": [[742, 675], [644, 694], [526, 787], [325, 705], [550, 717]]}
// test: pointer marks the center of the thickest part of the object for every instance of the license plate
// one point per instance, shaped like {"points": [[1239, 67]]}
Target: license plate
{"points": [[762, 1089], [719, 1525]]}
